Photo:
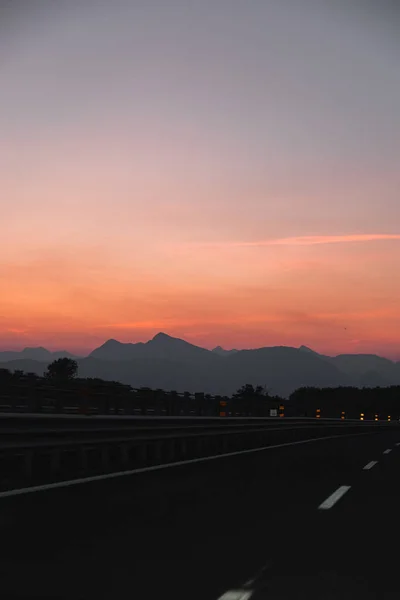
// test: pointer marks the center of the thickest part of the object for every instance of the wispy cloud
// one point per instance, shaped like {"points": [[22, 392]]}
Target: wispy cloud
{"points": [[309, 240]]}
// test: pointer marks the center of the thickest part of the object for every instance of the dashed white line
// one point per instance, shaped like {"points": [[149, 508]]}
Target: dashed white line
{"points": [[398, 444], [250, 582], [333, 498], [247, 589], [370, 465], [236, 595], [387, 451]]}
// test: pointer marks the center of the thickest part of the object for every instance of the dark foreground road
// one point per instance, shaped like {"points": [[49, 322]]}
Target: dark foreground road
{"points": [[237, 528]]}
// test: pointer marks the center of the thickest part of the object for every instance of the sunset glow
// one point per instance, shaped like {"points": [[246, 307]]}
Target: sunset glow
{"points": [[175, 174]]}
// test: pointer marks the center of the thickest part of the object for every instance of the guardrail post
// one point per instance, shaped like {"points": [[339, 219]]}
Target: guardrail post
{"points": [[33, 404], [224, 444], [199, 403], [170, 450], [83, 455], [173, 403], [142, 453], [58, 404], [199, 446], [55, 461], [183, 449], [105, 458], [158, 451], [124, 449], [28, 464]]}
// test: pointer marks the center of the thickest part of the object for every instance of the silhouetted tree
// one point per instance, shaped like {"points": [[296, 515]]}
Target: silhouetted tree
{"points": [[62, 370], [249, 391], [5, 375], [250, 400], [31, 377], [18, 374]]}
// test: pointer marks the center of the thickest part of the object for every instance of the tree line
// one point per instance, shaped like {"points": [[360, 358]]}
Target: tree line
{"points": [[61, 382]]}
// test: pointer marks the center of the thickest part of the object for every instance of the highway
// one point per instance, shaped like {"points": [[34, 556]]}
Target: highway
{"points": [[259, 525]]}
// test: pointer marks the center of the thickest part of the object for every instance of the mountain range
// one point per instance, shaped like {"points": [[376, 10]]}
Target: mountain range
{"points": [[39, 353], [174, 364]]}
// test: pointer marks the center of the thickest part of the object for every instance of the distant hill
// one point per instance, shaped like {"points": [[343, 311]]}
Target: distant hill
{"points": [[219, 350], [283, 369], [364, 369], [39, 353], [174, 364], [359, 364], [27, 365]]}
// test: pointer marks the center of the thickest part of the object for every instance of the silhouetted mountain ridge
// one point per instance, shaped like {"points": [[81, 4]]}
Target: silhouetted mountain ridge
{"points": [[172, 363], [160, 346], [306, 349], [222, 352], [40, 353]]}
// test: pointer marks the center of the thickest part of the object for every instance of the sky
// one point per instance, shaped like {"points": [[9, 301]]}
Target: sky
{"points": [[227, 172]]}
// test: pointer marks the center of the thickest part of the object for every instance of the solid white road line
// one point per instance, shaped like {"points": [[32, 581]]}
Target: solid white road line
{"points": [[68, 483], [236, 595], [387, 451], [370, 465], [333, 498]]}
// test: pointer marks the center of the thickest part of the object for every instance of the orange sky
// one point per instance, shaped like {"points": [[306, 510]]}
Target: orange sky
{"points": [[163, 174], [334, 297]]}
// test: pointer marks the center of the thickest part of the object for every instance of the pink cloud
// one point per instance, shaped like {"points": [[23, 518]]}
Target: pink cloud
{"points": [[310, 240]]}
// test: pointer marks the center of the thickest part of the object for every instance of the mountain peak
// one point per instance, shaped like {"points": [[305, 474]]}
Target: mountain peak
{"points": [[162, 336], [163, 340], [306, 349], [222, 352], [112, 342], [35, 348]]}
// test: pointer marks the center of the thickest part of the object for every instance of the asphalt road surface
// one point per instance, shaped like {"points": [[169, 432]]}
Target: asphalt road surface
{"points": [[316, 521]]}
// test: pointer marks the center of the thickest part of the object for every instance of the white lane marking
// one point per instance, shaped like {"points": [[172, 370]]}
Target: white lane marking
{"points": [[387, 451], [370, 465], [250, 582], [236, 595], [333, 498], [398, 444], [245, 592], [62, 484]]}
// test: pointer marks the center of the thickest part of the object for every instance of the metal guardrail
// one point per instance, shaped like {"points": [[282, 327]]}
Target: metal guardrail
{"points": [[105, 397], [36, 450]]}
